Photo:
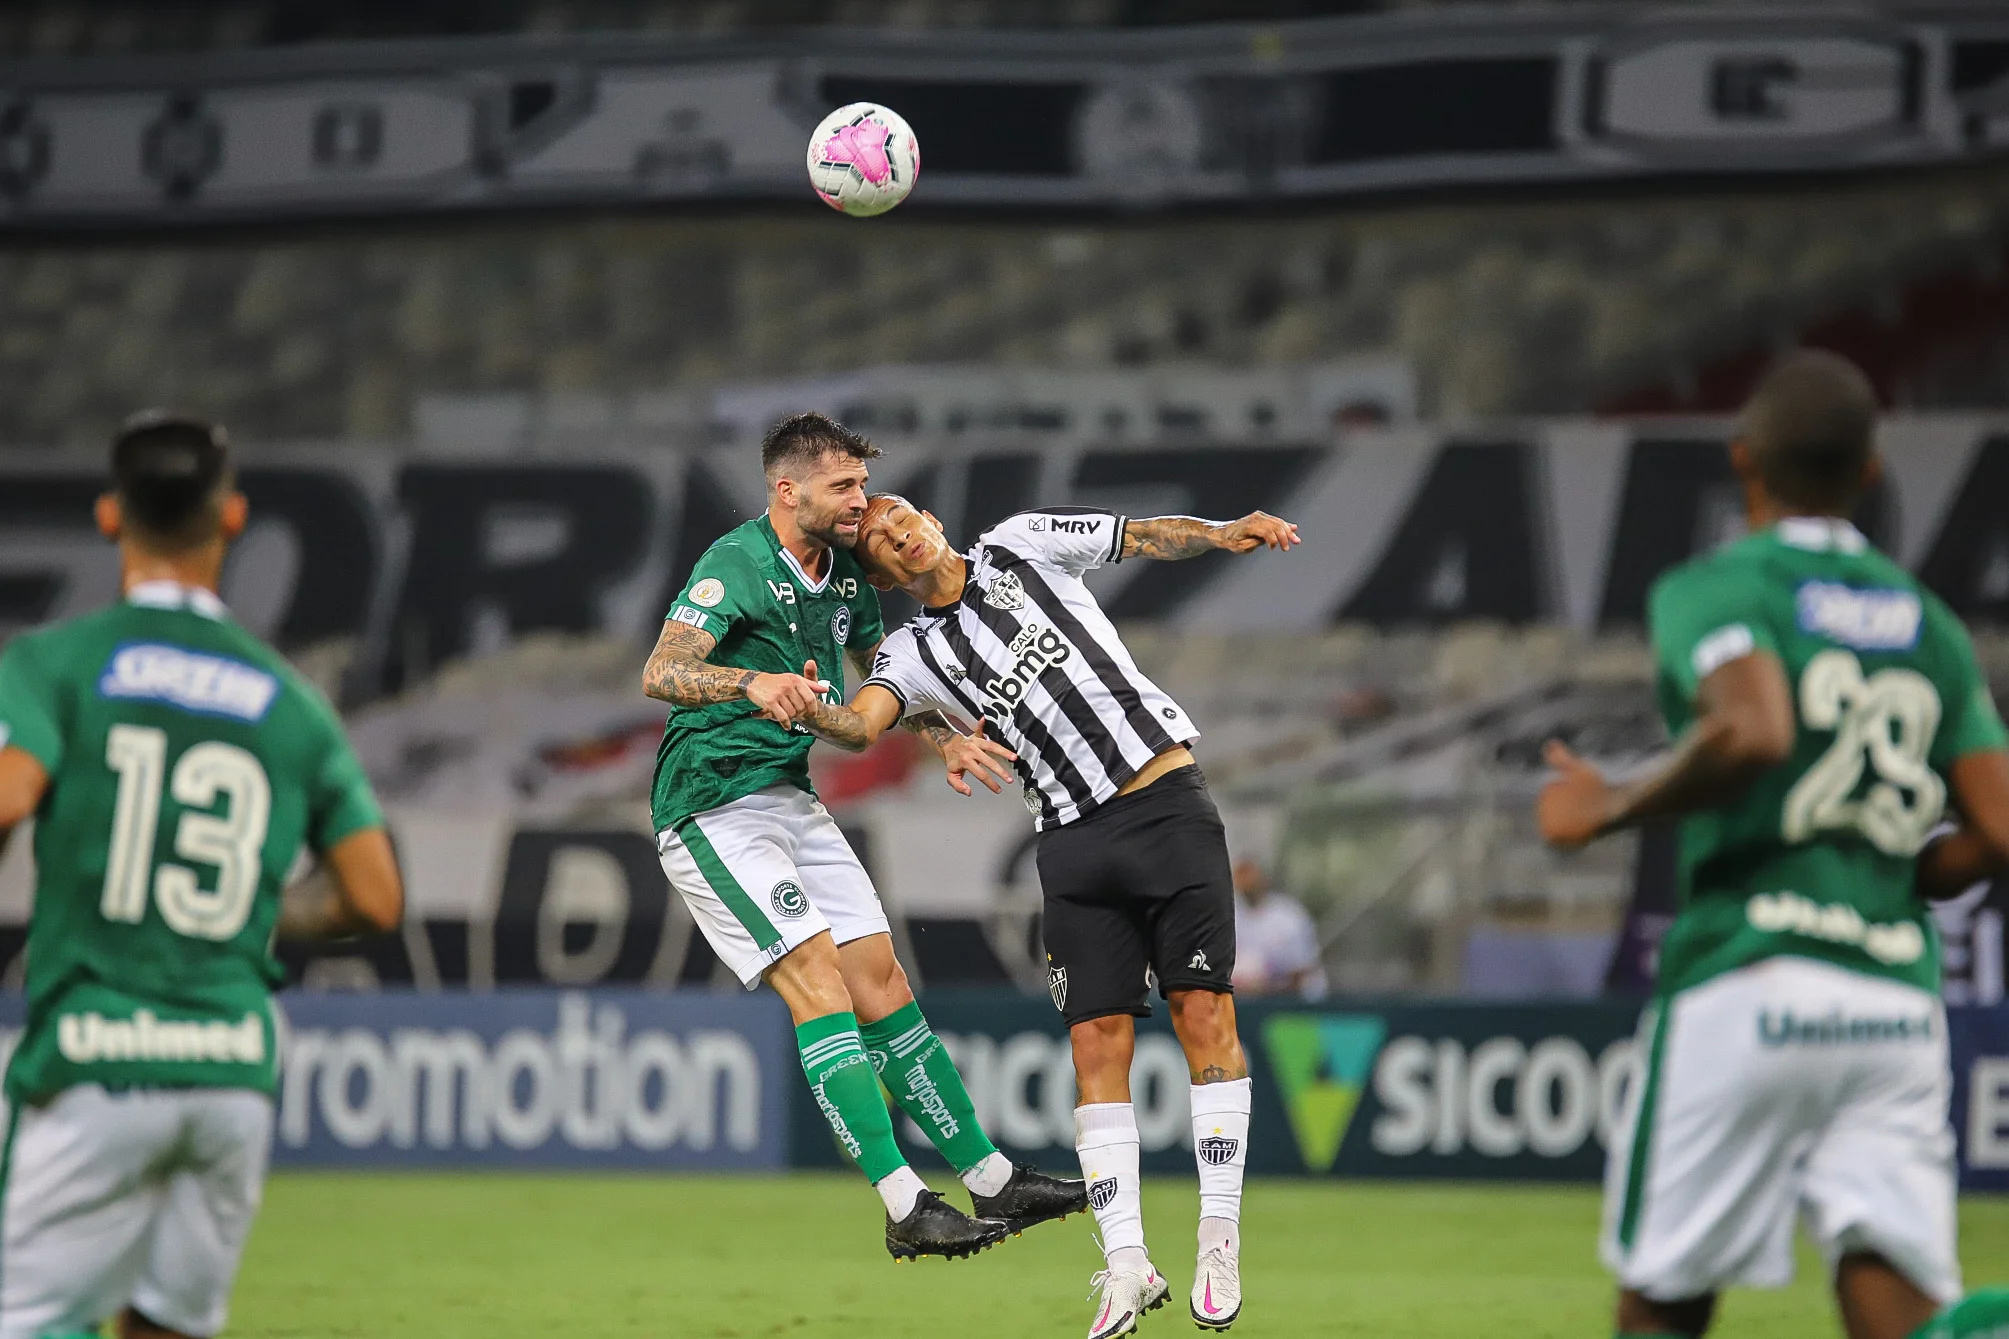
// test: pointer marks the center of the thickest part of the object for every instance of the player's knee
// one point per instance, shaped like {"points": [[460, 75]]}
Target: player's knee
{"points": [[1204, 1019], [1103, 1045], [811, 980]]}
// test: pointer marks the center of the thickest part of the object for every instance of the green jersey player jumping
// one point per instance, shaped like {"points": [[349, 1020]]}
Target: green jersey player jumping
{"points": [[175, 767], [1828, 711], [752, 652]]}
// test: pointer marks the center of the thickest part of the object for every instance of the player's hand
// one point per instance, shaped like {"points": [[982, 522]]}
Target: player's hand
{"points": [[787, 698], [1256, 530], [974, 755], [1576, 803]]}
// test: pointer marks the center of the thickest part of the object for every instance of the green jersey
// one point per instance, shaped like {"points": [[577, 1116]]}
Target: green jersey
{"points": [[188, 765], [768, 615], [1817, 857]]}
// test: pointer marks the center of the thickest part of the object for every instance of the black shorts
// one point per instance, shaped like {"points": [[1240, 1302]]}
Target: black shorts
{"points": [[1141, 884]]}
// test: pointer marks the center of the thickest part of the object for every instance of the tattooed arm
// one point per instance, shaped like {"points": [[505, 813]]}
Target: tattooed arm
{"points": [[678, 674], [1170, 538], [931, 726]]}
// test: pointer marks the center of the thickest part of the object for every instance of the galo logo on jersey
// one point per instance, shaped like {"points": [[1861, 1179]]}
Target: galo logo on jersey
{"points": [[1036, 648]]}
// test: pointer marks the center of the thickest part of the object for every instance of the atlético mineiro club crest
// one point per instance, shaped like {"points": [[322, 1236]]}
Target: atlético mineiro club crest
{"points": [[1005, 592], [1102, 1193], [1216, 1150], [1056, 986]]}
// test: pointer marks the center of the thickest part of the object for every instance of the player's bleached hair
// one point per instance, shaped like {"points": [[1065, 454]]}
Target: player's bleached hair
{"points": [[1811, 428], [800, 441], [170, 472]]}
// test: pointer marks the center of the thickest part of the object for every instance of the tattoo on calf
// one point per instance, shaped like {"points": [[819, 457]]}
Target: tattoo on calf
{"points": [[1216, 1074]]}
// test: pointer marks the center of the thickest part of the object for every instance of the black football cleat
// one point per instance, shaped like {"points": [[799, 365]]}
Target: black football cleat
{"points": [[1030, 1198], [937, 1227]]}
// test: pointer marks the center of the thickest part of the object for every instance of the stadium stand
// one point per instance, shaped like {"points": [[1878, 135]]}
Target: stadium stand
{"points": [[1501, 308]]}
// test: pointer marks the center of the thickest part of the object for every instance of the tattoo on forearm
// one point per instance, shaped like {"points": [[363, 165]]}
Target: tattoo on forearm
{"points": [[840, 725], [677, 672], [933, 727], [1169, 538]]}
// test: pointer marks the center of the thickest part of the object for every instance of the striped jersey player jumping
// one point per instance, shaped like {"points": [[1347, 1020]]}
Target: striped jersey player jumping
{"points": [[1828, 711], [771, 881], [1132, 857]]}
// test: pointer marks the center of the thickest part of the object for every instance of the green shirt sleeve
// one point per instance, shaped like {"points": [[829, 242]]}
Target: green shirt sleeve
{"points": [[1970, 722], [340, 802], [1701, 619], [30, 711], [725, 588]]}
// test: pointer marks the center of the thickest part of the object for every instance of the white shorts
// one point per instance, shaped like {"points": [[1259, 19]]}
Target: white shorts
{"points": [[1787, 1087], [139, 1198], [766, 873]]}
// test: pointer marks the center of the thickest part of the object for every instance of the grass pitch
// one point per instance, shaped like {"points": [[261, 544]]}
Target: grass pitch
{"points": [[502, 1256]]}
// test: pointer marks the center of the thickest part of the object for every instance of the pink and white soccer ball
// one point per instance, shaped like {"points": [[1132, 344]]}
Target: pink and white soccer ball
{"points": [[863, 159]]}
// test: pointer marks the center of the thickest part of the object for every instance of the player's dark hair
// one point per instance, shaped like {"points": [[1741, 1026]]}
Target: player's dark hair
{"points": [[800, 441], [170, 472], [1811, 427]]}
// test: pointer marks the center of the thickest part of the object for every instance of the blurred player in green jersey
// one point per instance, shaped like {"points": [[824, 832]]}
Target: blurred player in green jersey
{"points": [[751, 655], [1828, 713], [175, 767]]}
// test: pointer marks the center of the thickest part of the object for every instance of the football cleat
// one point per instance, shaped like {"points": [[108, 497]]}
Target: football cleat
{"points": [[1030, 1198], [1217, 1289], [937, 1227], [1121, 1297]]}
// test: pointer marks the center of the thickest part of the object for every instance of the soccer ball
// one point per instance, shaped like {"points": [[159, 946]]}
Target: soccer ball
{"points": [[863, 160]]}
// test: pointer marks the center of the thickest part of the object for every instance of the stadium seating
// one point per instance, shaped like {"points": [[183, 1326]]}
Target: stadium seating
{"points": [[1500, 308]]}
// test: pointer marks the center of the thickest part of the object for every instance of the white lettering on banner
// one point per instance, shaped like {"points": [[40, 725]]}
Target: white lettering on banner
{"points": [[587, 1083], [1022, 1087], [1500, 1099], [1988, 1113]]}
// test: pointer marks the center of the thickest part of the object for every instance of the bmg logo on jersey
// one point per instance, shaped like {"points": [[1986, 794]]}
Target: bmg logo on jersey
{"points": [[1037, 648]]}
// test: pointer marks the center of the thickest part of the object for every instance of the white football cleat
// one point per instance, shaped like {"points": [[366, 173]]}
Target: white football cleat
{"points": [[1217, 1289], [1121, 1297]]}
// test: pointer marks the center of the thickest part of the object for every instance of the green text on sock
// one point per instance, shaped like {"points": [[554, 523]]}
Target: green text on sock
{"points": [[916, 1069], [840, 1076]]}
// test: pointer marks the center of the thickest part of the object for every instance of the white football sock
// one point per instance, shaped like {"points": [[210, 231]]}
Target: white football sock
{"points": [[1221, 1151], [900, 1189], [1105, 1135], [989, 1176]]}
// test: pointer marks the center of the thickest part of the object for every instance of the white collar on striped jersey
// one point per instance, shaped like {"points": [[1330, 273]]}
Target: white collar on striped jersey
{"points": [[1821, 533], [174, 595]]}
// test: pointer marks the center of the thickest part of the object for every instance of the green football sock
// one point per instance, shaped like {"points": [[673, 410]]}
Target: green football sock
{"points": [[1982, 1314], [833, 1058], [916, 1069]]}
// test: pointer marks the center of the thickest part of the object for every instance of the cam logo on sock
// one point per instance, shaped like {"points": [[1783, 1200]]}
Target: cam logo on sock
{"points": [[1217, 1150], [1102, 1193]]}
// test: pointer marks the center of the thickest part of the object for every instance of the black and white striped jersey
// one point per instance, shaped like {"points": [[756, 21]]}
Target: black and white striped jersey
{"points": [[1028, 650]]}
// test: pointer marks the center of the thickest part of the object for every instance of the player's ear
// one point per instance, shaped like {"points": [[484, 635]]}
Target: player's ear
{"points": [[234, 515], [929, 517], [877, 579], [1741, 461], [108, 516]]}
